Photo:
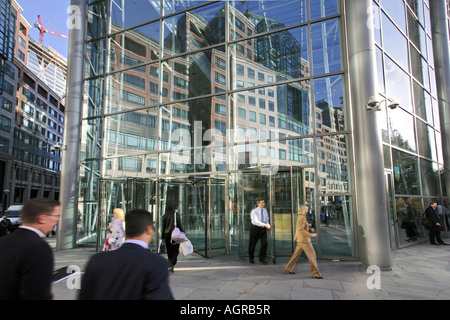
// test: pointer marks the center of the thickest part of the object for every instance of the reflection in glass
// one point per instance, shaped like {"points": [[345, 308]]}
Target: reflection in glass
{"points": [[125, 14], [268, 15], [396, 10], [97, 21], [395, 43], [329, 101], [323, 8], [406, 173], [430, 178], [326, 51], [195, 29], [409, 212], [427, 142], [398, 86], [401, 125], [336, 232]]}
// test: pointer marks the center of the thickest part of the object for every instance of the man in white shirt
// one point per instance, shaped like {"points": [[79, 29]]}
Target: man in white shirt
{"points": [[260, 224]]}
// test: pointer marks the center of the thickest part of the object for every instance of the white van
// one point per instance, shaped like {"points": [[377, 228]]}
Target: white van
{"points": [[13, 214]]}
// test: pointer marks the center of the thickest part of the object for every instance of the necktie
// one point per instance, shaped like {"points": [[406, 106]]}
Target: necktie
{"points": [[262, 216]]}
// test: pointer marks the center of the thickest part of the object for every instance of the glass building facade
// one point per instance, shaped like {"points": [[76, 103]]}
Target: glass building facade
{"points": [[211, 105]]}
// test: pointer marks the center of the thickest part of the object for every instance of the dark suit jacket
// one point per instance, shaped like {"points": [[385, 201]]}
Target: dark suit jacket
{"points": [[433, 215], [26, 266], [128, 273]]}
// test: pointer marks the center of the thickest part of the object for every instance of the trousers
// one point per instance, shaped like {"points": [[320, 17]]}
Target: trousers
{"points": [[310, 254], [257, 233]]}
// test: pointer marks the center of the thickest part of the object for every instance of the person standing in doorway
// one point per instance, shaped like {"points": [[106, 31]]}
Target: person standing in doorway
{"points": [[258, 231], [303, 235]]}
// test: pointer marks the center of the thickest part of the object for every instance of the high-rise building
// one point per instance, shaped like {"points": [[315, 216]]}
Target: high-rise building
{"points": [[32, 117], [211, 105]]}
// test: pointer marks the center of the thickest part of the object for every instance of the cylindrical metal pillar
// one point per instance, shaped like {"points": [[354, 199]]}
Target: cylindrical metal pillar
{"points": [[66, 233], [373, 232], [441, 48]]}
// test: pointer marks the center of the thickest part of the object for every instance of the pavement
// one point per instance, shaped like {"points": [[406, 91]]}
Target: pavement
{"points": [[419, 272]]}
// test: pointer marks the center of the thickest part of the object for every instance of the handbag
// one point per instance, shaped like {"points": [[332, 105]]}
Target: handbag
{"points": [[177, 236], [427, 223], [162, 247], [186, 248]]}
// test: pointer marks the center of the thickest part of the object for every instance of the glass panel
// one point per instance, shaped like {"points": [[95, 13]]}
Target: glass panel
{"points": [[190, 199], [333, 164], [380, 71], [323, 8], [192, 75], [402, 129], [330, 102], [125, 14], [130, 133], [406, 173], [96, 26], [252, 186], [427, 142], [326, 49], [134, 88], [263, 16], [395, 43], [217, 217], [195, 29], [170, 7], [376, 22], [336, 226], [285, 208], [398, 85], [272, 58], [135, 47], [396, 10], [95, 51], [90, 148], [430, 178], [409, 213]]}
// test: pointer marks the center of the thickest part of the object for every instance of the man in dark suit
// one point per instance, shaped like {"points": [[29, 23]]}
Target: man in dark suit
{"points": [[435, 230], [131, 272], [26, 263]]}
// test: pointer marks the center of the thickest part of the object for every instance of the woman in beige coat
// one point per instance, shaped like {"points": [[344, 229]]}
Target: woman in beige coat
{"points": [[303, 237]]}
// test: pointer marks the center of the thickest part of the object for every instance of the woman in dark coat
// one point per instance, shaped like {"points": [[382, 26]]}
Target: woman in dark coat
{"points": [[167, 227]]}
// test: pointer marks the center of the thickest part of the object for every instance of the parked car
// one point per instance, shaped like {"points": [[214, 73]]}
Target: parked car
{"points": [[13, 214]]}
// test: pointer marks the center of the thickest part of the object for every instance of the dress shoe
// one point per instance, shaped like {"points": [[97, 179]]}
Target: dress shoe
{"points": [[318, 277], [251, 261], [444, 244], [434, 244], [286, 271], [263, 261]]}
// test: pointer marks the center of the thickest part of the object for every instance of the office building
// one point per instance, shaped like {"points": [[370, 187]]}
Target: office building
{"points": [[210, 105]]}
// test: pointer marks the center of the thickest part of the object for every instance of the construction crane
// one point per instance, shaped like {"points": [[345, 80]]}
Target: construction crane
{"points": [[42, 30]]}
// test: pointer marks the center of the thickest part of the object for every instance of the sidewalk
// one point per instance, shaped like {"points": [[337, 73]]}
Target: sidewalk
{"points": [[421, 271]]}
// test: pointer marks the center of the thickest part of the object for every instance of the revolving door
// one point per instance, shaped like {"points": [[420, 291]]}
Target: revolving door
{"points": [[283, 192]]}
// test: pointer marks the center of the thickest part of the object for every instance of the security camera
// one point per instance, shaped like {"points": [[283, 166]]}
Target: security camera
{"points": [[372, 103], [393, 104]]}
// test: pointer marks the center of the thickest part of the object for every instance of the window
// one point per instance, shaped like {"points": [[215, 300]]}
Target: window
{"points": [[5, 124]]}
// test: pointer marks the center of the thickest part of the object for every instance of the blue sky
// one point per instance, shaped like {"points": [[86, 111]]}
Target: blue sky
{"points": [[54, 17]]}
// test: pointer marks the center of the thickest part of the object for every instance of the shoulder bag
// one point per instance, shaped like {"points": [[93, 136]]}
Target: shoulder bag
{"points": [[177, 236]]}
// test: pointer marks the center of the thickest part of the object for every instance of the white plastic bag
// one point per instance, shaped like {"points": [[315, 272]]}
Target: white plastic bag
{"points": [[186, 248]]}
